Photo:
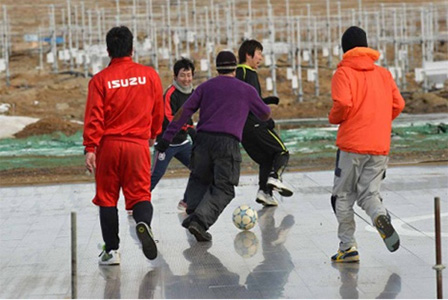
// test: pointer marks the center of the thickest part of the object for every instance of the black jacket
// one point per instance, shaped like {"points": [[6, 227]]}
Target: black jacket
{"points": [[249, 75], [173, 100]]}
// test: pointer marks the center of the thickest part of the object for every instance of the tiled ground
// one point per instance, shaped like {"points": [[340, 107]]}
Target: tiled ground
{"points": [[285, 256]]}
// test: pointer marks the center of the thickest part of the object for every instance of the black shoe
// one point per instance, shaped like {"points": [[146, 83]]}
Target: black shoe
{"points": [[145, 236], [199, 232]]}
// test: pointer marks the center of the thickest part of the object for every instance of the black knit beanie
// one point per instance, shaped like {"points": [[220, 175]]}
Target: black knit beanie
{"points": [[225, 60], [353, 37]]}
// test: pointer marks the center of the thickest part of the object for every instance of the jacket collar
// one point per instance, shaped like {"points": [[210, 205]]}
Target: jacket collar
{"points": [[120, 60], [360, 58], [246, 67]]}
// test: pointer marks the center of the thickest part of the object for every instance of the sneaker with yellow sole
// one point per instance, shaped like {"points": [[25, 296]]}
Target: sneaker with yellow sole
{"points": [[347, 256]]}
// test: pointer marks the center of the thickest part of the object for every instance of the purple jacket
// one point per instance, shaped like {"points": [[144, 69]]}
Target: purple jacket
{"points": [[224, 103]]}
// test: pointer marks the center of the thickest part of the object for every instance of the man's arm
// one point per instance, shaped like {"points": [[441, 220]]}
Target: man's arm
{"points": [[183, 114], [342, 98], [93, 117], [257, 106], [398, 101], [158, 110]]}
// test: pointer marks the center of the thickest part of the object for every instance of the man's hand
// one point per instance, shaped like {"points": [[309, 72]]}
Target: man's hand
{"points": [[91, 162], [152, 142], [162, 145], [270, 124], [192, 133], [271, 100]]}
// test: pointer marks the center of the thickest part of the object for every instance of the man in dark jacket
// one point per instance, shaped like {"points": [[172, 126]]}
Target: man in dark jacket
{"points": [[180, 147], [260, 140]]}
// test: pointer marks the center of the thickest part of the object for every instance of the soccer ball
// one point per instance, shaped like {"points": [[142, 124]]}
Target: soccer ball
{"points": [[244, 217], [246, 244]]}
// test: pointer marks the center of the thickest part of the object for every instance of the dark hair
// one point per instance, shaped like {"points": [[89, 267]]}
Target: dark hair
{"points": [[119, 42], [248, 47], [183, 63]]}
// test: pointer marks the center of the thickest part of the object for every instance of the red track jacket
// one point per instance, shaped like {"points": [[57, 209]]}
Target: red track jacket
{"points": [[124, 100]]}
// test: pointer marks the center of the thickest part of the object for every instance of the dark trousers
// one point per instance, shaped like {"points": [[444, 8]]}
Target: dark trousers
{"points": [[161, 161], [142, 212], [215, 171], [266, 148]]}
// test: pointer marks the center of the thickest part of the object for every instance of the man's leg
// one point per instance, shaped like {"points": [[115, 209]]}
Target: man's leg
{"points": [[160, 164], [274, 148], [263, 159], [370, 201], [201, 175], [183, 155], [348, 166], [109, 227], [135, 178], [107, 193], [226, 171]]}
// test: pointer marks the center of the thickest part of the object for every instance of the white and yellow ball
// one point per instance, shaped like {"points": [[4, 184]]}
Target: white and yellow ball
{"points": [[244, 217], [246, 244]]}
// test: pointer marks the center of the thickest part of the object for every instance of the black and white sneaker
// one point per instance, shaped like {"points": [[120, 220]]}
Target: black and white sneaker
{"points": [[387, 232], [146, 237], [277, 185]]}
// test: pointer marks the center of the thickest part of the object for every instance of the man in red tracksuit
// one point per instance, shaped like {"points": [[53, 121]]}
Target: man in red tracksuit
{"points": [[124, 110]]}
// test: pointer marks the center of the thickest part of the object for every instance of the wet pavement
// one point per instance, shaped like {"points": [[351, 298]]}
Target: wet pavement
{"points": [[287, 254]]}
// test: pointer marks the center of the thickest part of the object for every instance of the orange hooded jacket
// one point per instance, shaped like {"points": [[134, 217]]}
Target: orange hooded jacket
{"points": [[365, 101]]}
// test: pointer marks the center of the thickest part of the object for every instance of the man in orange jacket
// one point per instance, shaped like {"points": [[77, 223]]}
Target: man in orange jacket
{"points": [[365, 101], [124, 110]]}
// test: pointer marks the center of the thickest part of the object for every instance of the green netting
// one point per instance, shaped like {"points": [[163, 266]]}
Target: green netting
{"points": [[60, 150]]}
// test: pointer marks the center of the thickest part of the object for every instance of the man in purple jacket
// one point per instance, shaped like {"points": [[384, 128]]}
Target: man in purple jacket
{"points": [[224, 103]]}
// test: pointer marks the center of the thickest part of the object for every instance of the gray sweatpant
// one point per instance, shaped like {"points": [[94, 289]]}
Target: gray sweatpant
{"points": [[357, 178]]}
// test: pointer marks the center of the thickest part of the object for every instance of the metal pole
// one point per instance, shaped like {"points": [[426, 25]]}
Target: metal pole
{"points": [[438, 267], [249, 11], [77, 28], [360, 13], [41, 51], [330, 54], [84, 40], [187, 25], [208, 43], [316, 63], [272, 41], [70, 46], [228, 28], [6, 44], [74, 259], [299, 61], [339, 30], [178, 30], [168, 18], [53, 39], [117, 3], [134, 29], [195, 23], [155, 55]]}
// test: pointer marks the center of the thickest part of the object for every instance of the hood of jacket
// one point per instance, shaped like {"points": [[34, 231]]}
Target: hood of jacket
{"points": [[360, 58]]}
